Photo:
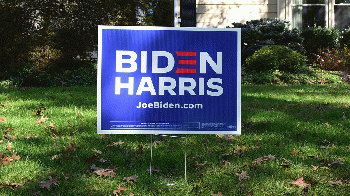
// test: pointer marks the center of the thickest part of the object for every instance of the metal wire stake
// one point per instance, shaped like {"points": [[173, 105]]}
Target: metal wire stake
{"points": [[150, 163], [185, 160]]}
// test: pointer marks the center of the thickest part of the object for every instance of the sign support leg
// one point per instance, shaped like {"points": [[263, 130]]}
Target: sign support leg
{"points": [[185, 160], [150, 163]]}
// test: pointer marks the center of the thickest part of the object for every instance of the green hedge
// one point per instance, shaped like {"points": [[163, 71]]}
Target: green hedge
{"points": [[270, 58]]}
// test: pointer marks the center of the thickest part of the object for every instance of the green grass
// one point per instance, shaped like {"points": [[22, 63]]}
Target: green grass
{"points": [[312, 119]]}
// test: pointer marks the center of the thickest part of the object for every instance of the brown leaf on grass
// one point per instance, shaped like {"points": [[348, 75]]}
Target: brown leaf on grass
{"points": [[197, 164], [226, 162], [9, 137], [117, 192], [229, 137], [7, 159], [15, 157], [101, 171], [105, 172], [2, 119], [258, 160], [70, 147], [9, 147], [52, 127], [118, 143], [131, 179], [270, 157], [8, 129], [47, 184], [300, 182], [331, 183], [42, 119], [294, 152], [336, 162], [97, 151], [12, 185], [315, 167], [91, 159], [242, 175]]}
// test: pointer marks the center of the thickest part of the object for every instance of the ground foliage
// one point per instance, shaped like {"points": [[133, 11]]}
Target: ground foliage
{"points": [[294, 141]]}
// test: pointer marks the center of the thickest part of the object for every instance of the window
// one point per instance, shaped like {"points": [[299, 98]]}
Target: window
{"points": [[308, 13], [188, 13], [324, 13], [341, 14]]}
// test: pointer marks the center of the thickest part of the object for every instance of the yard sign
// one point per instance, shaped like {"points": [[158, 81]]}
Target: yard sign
{"points": [[155, 80]]}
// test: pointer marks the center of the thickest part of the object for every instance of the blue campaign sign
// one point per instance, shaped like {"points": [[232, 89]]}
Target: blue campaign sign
{"points": [[155, 80]]}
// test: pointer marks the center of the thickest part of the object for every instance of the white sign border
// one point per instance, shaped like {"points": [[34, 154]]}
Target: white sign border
{"points": [[133, 131]]}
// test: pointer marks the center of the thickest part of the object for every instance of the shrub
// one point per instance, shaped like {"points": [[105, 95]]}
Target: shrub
{"points": [[14, 45], [319, 39], [334, 59], [270, 58], [265, 32]]}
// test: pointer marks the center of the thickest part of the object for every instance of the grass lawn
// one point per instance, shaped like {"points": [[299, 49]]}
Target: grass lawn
{"points": [[298, 133]]}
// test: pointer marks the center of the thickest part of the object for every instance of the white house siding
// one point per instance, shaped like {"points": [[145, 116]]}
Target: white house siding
{"points": [[222, 13]]}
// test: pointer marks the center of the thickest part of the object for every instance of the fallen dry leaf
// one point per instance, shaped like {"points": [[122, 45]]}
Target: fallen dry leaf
{"points": [[52, 127], [102, 172], [197, 164], [2, 119], [258, 160], [9, 137], [42, 119], [242, 175], [15, 157], [7, 130], [131, 179], [70, 147], [116, 192], [7, 159], [300, 183], [336, 162], [335, 183], [270, 157], [9, 147], [118, 143], [226, 162], [294, 152], [12, 185], [105, 172], [47, 184], [97, 151]]}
